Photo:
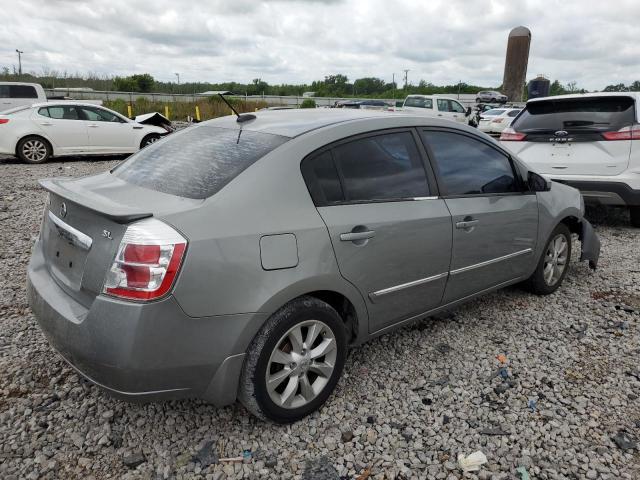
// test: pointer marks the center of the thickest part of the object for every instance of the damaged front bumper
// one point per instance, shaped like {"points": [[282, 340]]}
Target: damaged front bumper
{"points": [[590, 244]]}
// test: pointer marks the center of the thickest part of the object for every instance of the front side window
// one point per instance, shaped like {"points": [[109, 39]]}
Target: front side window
{"points": [[456, 107], [381, 167], [197, 162], [22, 91], [468, 166], [99, 115]]}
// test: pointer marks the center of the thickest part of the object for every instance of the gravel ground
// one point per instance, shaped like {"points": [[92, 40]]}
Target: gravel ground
{"points": [[407, 405]]}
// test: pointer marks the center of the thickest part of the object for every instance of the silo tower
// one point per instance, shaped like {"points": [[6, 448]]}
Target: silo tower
{"points": [[515, 65]]}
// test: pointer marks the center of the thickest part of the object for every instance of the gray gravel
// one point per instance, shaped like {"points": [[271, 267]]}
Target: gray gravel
{"points": [[565, 404]]}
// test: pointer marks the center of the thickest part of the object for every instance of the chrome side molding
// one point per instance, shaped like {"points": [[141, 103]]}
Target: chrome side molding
{"points": [[492, 261], [374, 295], [72, 235]]}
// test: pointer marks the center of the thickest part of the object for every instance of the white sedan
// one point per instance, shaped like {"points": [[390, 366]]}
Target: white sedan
{"points": [[497, 119], [37, 132]]}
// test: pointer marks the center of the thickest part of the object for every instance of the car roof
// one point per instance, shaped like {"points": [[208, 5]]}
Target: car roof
{"points": [[293, 123], [65, 102], [634, 95]]}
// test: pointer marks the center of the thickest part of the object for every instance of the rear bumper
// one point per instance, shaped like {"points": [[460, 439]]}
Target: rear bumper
{"points": [[139, 352], [605, 193]]}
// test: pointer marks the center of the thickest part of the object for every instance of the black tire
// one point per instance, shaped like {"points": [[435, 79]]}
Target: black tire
{"points": [[536, 283], [34, 149], [253, 391], [149, 139], [634, 215], [478, 100], [493, 100]]}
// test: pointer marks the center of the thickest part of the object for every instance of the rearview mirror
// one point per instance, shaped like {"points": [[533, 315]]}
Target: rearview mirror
{"points": [[537, 183]]}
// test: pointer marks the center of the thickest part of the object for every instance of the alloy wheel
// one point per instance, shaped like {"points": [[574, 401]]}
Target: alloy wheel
{"points": [[555, 259], [301, 364], [34, 150]]}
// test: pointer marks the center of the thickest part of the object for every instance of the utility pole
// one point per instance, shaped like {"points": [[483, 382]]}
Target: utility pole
{"points": [[406, 78], [20, 52], [178, 76], [393, 82]]}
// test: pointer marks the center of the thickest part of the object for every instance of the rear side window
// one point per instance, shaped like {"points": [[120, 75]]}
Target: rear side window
{"points": [[593, 114], [22, 91], [468, 166], [63, 113], [418, 102], [4, 91], [381, 167], [197, 162], [321, 177]]}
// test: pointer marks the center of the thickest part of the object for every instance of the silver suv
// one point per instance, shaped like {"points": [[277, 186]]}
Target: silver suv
{"points": [[491, 96], [240, 259]]}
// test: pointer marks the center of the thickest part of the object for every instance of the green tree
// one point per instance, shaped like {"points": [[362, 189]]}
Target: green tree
{"points": [[125, 84], [635, 86], [556, 88], [144, 82], [308, 103], [615, 88]]}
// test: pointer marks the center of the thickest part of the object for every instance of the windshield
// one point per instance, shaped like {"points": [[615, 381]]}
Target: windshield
{"points": [[198, 161], [585, 114]]}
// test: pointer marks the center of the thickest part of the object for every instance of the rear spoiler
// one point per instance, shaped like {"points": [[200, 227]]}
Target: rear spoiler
{"points": [[67, 189]]}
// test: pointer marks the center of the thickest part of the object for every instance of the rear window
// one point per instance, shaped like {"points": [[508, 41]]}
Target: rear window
{"points": [[418, 102], [22, 91], [490, 113], [197, 162], [576, 115]]}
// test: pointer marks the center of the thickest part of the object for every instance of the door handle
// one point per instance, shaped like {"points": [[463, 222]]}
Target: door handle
{"points": [[356, 236], [468, 222], [439, 114], [92, 125], [46, 124]]}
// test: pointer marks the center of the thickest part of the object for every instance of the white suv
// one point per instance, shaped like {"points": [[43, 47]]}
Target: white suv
{"points": [[589, 141]]}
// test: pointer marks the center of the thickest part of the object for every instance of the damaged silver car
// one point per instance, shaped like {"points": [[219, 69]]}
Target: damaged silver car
{"points": [[241, 258]]}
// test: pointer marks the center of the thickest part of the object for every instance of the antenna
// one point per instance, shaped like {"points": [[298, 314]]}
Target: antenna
{"points": [[245, 117]]}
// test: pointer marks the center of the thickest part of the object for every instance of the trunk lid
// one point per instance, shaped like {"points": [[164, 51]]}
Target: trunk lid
{"points": [[84, 223], [564, 136]]}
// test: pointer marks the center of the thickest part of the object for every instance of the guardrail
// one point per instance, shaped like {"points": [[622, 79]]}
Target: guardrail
{"points": [[273, 100]]}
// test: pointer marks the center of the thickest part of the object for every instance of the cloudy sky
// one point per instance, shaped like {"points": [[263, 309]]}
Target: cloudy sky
{"points": [[594, 43]]}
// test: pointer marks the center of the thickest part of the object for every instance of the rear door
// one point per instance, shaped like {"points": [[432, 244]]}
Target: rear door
{"points": [[576, 136], [495, 219], [391, 234], [65, 127], [108, 132]]}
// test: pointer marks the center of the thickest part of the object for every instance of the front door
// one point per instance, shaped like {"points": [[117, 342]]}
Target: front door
{"points": [[495, 220], [391, 238], [451, 110], [108, 132]]}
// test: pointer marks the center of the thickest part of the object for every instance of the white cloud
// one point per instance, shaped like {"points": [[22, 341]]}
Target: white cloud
{"points": [[294, 41]]}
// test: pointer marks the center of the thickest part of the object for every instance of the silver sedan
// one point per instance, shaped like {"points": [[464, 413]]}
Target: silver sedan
{"points": [[240, 258]]}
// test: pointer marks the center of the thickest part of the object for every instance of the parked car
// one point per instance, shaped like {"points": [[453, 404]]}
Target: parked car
{"points": [[36, 133], [363, 104], [496, 120], [240, 259], [17, 94], [436, 106], [589, 141], [491, 96]]}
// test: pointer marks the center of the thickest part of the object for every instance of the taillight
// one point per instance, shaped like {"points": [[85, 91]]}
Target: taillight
{"points": [[625, 133], [147, 262], [497, 120], [4, 120], [510, 135]]}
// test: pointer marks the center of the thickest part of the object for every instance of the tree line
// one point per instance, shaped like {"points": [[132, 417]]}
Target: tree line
{"points": [[337, 85]]}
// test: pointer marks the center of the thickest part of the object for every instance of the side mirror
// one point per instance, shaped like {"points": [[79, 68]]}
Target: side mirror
{"points": [[537, 183], [468, 111]]}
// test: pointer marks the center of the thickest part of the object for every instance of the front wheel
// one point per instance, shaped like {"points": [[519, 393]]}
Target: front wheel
{"points": [[634, 214], [553, 264], [149, 139], [294, 362]]}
